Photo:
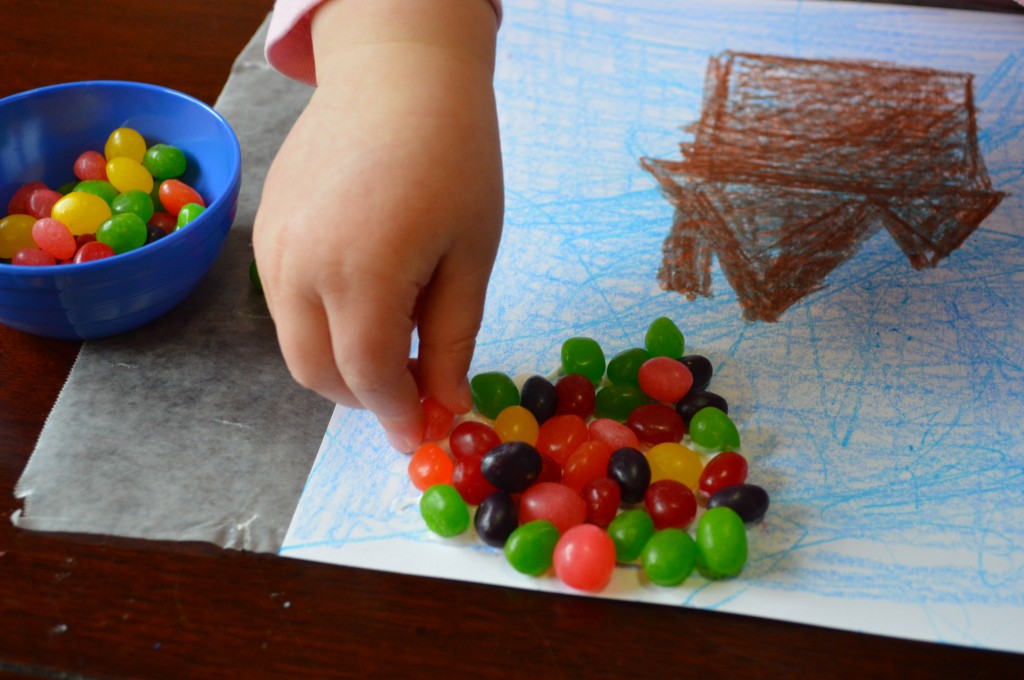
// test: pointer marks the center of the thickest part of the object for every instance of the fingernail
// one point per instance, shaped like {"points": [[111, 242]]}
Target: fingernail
{"points": [[465, 396], [400, 442]]}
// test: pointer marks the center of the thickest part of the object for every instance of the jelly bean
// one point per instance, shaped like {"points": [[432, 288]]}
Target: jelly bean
{"points": [[16, 206], [123, 233], [33, 257], [254, 272], [560, 436], [575, 395], [671, 460], [512, 466], [154, 234], [602, 497], [127, 174], [98, 187], [90, 165], [630, 531], [443, 510], [530, 548], [493, 392], [669, 557], [624, 366], [583, 356], [174, 194], [726, 469], [613, 433], [430, 465], [54, 237], [125, 142], [555, 503], [589, 461], [700, 368], [164, 161], [437, 420], [40, 202], [631, 471], [749, 501], [712, 430], [15, 234], [664, 339], [664, 379], [721, 543], [656, 423], [188, 214], [158, 205], [670, 504], [92, 251], [67, 187], [496, 519], [164, 221], [82, 212], [584, 558], [695, 401], [550, 470], [135, 201], [618, 401], [471, 437], [516, 423], [469, 480], [539, 397]]}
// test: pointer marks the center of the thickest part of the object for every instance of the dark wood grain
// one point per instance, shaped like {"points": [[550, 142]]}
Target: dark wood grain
{"points": [[74, 606]]}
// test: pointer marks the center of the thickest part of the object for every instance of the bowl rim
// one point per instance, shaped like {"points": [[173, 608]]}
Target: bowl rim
{"points": [[149, 249]]}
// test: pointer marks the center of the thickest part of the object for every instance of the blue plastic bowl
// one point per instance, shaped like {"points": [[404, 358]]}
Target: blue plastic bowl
{"points": [[42, 132]]}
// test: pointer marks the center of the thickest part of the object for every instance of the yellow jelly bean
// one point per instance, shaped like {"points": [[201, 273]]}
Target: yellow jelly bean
{"points": [[670, 460], [517, 424], [15, 234], [129, 175], [83, 213], [125, 142]]}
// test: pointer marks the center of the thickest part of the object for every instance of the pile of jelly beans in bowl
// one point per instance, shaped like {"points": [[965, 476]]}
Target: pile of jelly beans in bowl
{"points": [[115, 201], [629, 462]]}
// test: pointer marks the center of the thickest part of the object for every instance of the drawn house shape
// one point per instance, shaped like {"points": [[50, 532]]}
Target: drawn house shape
{"points": [[795, 163]]}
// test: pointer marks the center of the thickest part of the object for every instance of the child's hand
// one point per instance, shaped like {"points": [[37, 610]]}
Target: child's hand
{"points": [[382, 212]]}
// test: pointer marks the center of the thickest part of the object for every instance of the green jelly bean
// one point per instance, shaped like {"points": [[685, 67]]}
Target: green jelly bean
{"points": [[664, 339], [712, 430], [189, 212], [624, 366], [493, 392], [98, 187], [444, 511], [721, 543], [531, 547], [630, 531], [164, 161], [134, 201], [254, 276], [155, 195], [123, 232], [583, 356], [669, 557], [67, 187], [618, 401]]}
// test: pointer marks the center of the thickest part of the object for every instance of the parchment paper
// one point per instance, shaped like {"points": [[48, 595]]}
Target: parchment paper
{"points": [[190, 428]]}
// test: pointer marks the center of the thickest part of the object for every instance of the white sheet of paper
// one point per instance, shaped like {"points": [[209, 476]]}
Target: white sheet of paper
{"points": [[882, 412]]}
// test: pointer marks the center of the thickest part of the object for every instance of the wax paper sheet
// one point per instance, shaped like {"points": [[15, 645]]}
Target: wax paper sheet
{"points": [[189, 428]]}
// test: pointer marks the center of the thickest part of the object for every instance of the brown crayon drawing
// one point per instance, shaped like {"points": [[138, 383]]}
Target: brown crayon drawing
{"points": [[795, 163]]}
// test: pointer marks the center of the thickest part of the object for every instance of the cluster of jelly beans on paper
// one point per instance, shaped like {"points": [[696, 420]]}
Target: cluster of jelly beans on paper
{"points": [[607, 464], [122, 199]]}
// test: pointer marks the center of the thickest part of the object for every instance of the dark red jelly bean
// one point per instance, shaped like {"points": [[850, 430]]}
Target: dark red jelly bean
{"points": [[631, 471], [700, 368], [575, 395], [512, 466], [472, 437], [539, 397], [696, 400], [550, 470], [670, 504], [749, 501], [602, 496], [726, 469], [469, 480], [656, 423], [496, 518]]}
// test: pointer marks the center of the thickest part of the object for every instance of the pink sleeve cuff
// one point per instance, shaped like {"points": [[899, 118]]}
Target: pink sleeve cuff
{"points": [[289, 46]]}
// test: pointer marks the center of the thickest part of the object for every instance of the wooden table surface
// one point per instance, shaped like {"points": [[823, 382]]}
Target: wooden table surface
{"points": [[94, 606]]}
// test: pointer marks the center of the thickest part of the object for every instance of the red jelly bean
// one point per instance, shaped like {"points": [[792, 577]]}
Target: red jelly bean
{"points": [[437, 420], [33, 257], [93, 250], [471, 438], [587, 462], [556, 503], [575, 395], [550, 470], [656, 423], [726, 469], [430, 465], [164, 221], [602, 497], [585, 558], [469, 480], [665, 379], [175, 194], [670, 504], [16, 206], [560, 436], [40, 202], [54, 237], [613, 433], [82, 239], [91, 165]]}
